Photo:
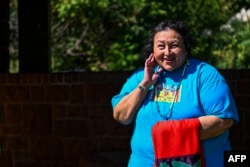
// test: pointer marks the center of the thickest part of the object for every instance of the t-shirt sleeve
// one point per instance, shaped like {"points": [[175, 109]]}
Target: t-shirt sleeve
{"points": [[216, 97], [131, 83]]}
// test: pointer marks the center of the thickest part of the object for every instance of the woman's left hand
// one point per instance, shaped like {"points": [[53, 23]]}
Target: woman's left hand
{"points": [[212, 126]]}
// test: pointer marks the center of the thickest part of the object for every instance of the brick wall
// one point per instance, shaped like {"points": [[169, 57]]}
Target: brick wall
{"points": [[65, 119]]}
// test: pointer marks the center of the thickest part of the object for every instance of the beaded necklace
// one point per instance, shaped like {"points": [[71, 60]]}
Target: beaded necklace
{"points": [[154, 92]]}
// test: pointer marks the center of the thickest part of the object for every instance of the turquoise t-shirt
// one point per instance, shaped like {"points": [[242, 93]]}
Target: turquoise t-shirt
{"points": [[202, 91]]}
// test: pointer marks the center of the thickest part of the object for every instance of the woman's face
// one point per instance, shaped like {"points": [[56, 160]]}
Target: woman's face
{"points": [[169, 49]]}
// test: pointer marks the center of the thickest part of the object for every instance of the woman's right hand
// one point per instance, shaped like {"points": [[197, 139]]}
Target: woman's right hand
{"points": [[151, 76], [126, 109]]}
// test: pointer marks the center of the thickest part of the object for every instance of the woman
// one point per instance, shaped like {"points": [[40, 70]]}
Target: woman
{"points": [[174, 86]]}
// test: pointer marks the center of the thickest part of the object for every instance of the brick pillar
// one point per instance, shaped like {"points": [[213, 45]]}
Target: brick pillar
{"points": [[34, 30], [4, 36]]}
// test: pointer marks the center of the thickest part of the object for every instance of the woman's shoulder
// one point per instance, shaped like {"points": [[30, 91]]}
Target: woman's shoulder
{"points": [[205, 71], [137, 74], [201, 65]]}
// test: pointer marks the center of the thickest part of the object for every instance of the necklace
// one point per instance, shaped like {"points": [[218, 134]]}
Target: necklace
{"points": [[154, 92]]}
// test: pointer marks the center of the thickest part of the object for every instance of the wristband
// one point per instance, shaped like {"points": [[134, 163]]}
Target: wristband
{"points": [[142, 88]]}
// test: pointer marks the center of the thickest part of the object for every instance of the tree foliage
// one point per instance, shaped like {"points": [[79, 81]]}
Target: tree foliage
{"points": [[233, 42], [105, 35]]}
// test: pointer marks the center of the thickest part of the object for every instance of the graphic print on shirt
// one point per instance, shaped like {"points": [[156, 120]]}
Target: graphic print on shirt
{"points": [[167, 93]]}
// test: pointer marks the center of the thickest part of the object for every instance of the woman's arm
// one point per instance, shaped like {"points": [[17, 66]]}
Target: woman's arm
{"points": [[212, 126], [126, 109]]}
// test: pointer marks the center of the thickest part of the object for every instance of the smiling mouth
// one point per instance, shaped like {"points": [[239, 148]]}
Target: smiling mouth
{"points": [[168, 60]]}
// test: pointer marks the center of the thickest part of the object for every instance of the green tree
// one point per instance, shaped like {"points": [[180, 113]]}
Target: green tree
{"points": [[97, 35], [90, 35], [233, 42]]}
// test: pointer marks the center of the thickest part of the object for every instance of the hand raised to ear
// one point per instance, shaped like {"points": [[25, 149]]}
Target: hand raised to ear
{"points": [[150, 75]]}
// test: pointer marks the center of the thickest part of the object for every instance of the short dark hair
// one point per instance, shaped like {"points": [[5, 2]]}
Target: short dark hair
{"points": [[178, 26]]}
